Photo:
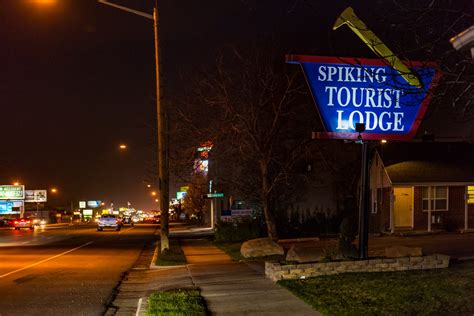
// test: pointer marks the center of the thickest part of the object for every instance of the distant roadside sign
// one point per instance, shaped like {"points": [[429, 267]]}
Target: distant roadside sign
{"points": [[93, 204], [213, 195], [38, 196], [82, 204], [12, 192], [180, 195], [6, 207]]}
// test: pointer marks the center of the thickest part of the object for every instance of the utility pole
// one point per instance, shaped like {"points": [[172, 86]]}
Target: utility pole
{"points": [[162, 134], [163, 161]]}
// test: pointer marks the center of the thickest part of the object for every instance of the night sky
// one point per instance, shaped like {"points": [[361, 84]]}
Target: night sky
{"points": [[77, 79]]}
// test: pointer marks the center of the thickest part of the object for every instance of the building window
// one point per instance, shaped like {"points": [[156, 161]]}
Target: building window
{"points": [[470, 194], [435, 198]]}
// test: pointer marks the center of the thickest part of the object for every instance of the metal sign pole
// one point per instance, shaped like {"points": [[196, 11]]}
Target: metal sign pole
{"points": [[364, 203]]}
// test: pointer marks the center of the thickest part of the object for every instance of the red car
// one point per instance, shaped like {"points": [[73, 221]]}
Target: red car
{"points": [[23, 223]]}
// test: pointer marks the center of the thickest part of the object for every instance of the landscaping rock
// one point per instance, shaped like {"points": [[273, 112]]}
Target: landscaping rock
{"points": [[304, 253], [260, 247], [402, 251]]}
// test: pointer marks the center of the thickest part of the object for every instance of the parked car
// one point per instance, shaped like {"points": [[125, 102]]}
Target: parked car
{"points": [[23, 223], [156, 219], [109, 221]]}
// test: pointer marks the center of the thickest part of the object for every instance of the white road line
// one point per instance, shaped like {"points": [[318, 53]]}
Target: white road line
{"points": [[126, 230], [44, 260]]}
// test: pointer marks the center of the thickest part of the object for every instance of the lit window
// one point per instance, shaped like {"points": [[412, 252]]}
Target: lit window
{"points": [[435, 198], [470, 194]]}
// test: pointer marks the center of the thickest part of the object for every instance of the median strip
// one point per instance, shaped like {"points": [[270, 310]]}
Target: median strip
{"points": [[44, 260]]}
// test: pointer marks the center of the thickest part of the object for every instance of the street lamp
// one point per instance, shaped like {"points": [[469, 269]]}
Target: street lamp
{"points": [[464, 40], [163, 172], [122, 146]]}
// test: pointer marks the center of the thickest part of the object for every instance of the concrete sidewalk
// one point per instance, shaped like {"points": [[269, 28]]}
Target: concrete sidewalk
{"points": [[229, 287], [232, 288]]}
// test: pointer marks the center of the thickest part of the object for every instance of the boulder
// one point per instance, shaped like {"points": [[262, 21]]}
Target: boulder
{"points": [[260, 247], [304, 253], [402, 251]]}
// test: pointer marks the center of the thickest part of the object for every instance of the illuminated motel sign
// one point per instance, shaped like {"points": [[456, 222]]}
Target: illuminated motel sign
{"points": [[356, 90]]}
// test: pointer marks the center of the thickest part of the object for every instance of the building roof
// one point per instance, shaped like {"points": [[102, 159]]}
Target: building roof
{"points": [[429, 162], [429, 172]]}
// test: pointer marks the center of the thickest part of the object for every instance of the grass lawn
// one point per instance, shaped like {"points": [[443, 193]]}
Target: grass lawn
{"points": [[430, 292], [174, 257], [232, 249], [176, 302]]}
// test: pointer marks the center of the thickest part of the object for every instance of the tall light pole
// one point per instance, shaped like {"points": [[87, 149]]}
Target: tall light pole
{"points": [[162, 135]]}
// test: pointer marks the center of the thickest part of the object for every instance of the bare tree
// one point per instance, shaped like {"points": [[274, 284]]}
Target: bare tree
{"points": [[259, 117]]}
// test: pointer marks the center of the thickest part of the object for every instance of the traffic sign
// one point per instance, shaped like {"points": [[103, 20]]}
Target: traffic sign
{"points": [[213, 195]]}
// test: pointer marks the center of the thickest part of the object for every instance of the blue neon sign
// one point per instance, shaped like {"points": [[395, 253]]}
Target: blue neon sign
{"points": [[349, 91], [6, 207]]}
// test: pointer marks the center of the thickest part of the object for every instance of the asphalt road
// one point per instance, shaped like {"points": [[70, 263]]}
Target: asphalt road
{"points": [[65, 270]]}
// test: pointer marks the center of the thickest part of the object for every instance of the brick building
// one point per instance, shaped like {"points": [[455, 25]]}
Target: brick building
{"points": [[422, 186]]}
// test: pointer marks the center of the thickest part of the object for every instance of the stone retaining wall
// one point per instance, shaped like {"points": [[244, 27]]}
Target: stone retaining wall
{"points": [[276, 271]]}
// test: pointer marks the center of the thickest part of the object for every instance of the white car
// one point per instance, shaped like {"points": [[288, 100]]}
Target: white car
{"points": [[109, 221]]}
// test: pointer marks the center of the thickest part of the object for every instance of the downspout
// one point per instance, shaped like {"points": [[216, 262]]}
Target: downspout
{"points": [[466, 197], [392, 198], [429, 209]]}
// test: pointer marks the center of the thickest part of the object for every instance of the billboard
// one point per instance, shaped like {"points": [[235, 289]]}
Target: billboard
{"points": [[82, 204], [6, 207], [356, 90], [180, 195], [37, 196], [93, 204], [12, 192]]}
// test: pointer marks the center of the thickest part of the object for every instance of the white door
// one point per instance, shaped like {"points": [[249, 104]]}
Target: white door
{"points": [[403, 207]]}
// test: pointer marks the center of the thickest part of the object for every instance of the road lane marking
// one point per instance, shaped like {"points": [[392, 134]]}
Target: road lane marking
{"points": [[126, 230], [44, 260]]}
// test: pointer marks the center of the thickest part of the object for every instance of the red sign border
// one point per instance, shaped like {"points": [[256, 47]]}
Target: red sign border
{"points": [[298, 59]]}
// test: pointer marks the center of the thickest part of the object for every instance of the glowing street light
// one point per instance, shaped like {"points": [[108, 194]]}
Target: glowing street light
{"points": [[153, 193], [156, 200], [54, 190], [123, 146], [16, 183], [148, 185], [43, 2]]}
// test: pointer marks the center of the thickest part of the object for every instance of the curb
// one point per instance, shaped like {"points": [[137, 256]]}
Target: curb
{"points": [[153, 266]]}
